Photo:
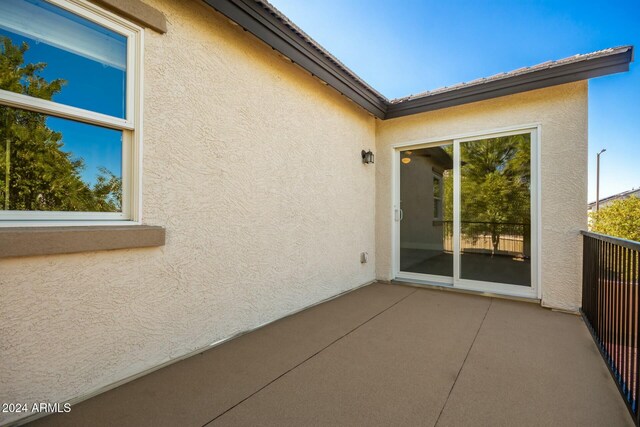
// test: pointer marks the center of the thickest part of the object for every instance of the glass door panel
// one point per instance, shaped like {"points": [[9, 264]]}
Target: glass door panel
{"points": [[495, 210], [426, 211]]}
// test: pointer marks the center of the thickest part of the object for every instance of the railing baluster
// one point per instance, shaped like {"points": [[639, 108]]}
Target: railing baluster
{"points": [[635, 283], [614, 307], [592, 285], [612, 292], [634, 334], [586, 305], [606, 311], [621, 294], [596, 282], [588, 278], [616, 282], [610, 307], [609, 302], [586, 302], [618, 313], [618, 336], [632, 331], [600, 289], [625, 322], [629, 323]]}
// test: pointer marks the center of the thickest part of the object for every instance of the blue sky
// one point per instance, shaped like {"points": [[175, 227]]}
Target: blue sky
{"points": [[409, 46]]}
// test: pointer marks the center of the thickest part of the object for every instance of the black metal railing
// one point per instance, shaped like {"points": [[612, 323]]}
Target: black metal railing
{"points": [[610, 282]]}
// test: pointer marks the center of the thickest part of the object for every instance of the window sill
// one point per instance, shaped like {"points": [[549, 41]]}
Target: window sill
{"points": [[35, 241]]}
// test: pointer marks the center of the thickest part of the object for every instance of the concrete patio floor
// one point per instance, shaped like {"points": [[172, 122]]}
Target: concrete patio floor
{"points": [[381, 355]]}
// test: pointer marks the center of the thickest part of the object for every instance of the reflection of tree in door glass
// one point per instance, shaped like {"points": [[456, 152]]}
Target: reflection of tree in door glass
{"points": [[495, 211]]}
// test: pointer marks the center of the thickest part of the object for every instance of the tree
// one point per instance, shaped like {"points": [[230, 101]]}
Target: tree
{"points": [[619, 219], [108, 190], [36, 174]]}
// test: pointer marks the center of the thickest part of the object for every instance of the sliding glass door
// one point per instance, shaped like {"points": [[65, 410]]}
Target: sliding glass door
{"points": [[426, 202], [465, 213], [495, 210]]}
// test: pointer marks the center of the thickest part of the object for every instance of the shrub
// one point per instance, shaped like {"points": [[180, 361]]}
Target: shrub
{"points": [[619, 219]]}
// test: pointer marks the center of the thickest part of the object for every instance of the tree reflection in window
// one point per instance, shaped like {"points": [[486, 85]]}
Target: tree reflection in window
{"points": [[36, 172]]}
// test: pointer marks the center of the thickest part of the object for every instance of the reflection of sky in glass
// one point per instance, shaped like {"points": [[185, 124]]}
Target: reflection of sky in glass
{"points": [[92, 61], [98, 147], [90, 58]]}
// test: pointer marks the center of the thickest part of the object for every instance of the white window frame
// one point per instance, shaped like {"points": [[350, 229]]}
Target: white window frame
{"points": [[131, 127], [437, 176]]}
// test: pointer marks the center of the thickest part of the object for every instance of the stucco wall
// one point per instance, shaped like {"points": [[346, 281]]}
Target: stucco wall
{"points": [[562, 113], [253, 166]]}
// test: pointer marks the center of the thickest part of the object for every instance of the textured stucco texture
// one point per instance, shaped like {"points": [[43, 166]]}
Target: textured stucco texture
{"points": [[561, 112], [253, 167]]}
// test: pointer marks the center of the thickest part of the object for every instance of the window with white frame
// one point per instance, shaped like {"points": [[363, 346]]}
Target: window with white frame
{"points": [[437, 195], [69, 112]]}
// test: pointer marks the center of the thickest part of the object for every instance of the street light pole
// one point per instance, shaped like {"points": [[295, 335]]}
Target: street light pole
{"points": [[598, 179]]}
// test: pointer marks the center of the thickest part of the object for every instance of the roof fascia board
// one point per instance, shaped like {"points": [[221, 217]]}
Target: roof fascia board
{"points": [[249, 15], [511, 85]]}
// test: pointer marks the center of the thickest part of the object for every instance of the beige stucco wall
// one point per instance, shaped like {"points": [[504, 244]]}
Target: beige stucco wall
{"points": [[562, 113], [253, 166]]}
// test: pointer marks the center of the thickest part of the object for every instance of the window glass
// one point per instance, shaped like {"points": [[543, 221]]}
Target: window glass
{"points": [[437, 196], [426, 200], [436, 186], [495, 210], [56, 164], [86, 62]]}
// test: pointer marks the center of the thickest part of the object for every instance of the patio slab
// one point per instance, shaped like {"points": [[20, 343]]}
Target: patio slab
{"points": [[384, 354], [531, 366], [195, 390], [395, 370]]}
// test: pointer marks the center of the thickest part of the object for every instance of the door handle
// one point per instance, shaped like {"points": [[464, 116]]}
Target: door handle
{"points": [[399, 214]]}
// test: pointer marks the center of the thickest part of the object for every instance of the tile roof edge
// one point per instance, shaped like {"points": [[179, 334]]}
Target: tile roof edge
{"points": [[521, 71]]}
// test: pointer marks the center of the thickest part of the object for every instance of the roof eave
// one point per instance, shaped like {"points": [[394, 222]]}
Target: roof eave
{"points": [[560, 74], [262, 24]]}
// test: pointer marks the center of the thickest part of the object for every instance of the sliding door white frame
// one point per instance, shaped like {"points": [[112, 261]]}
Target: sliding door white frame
{"points": [[534, 291]]}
